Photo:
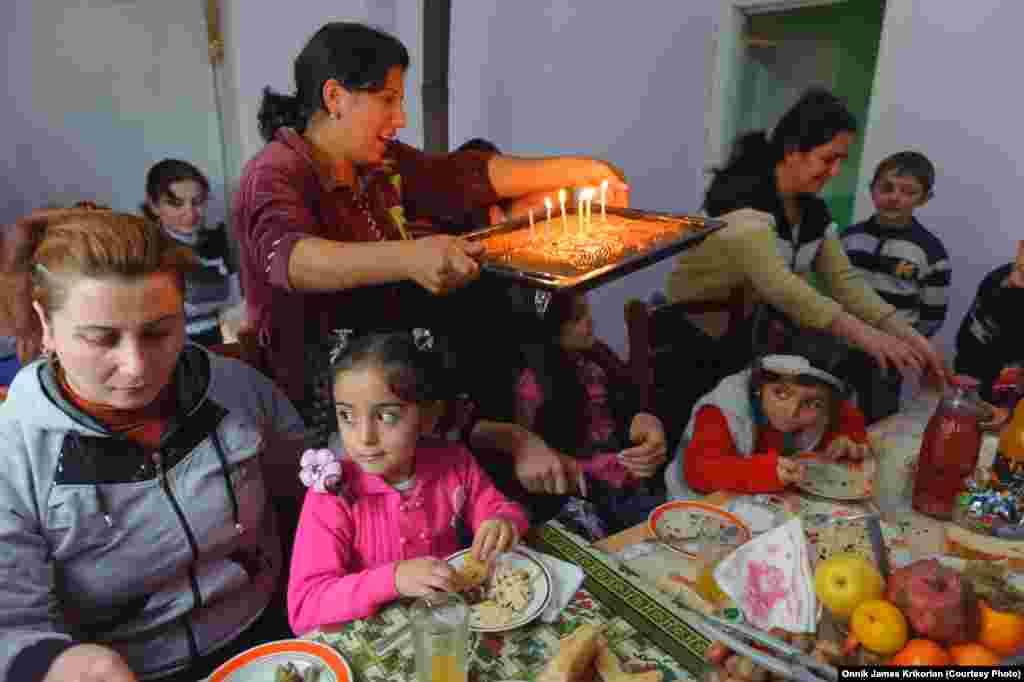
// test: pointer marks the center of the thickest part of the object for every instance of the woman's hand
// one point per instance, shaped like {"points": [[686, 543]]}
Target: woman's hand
{"points": [[543, 470], [934, 364], [886, 349], [844, 447], [593, 172], [443, 263], [423, 577], [790, 471], [643, 459], [493, 537], [89, 663]]}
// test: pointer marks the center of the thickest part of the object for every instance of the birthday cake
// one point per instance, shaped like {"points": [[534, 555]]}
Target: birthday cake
{"points": [[567, 248]]}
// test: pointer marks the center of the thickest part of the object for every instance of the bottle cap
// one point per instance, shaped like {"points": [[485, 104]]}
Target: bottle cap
{"points": [[964, 381]]}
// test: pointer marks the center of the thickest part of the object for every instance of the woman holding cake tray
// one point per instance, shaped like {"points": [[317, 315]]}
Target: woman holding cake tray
{"points": [[321, 210], [778, 230]]}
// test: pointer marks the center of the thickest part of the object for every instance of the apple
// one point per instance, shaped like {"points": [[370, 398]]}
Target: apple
{"points": [[879, 626], [845, 581]]}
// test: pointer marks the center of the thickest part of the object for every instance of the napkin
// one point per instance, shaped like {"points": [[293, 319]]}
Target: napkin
{"points": [[770, 579], [566, 579]]}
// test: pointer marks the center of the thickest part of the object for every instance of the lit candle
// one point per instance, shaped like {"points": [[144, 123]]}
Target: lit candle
{"points": [[565, 222], [580, 211], [547, 205], [588, 204], [533, 229], [604, 195]]}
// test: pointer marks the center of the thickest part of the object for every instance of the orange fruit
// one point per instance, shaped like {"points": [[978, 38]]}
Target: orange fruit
{"points": [[879, 626], [973, 654], [921, 652], [1001, 631]]}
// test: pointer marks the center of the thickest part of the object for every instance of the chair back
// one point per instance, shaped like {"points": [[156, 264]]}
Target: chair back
{"points": [[664, 347]]}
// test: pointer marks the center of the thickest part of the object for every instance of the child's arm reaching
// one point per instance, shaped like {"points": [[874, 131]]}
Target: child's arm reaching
{"points": [[712, 461], [321, 588], [850, 437]]}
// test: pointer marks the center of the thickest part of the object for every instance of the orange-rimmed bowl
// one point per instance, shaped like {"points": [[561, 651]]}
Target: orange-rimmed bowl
{"points": [[684, 526], [260, 662]]}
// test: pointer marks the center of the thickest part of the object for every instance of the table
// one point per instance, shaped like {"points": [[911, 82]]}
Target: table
{"points": [[643, 631], [908, 534]]}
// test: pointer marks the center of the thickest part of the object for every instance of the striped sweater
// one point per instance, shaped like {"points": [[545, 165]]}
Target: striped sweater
{"points": [[907, 266]]}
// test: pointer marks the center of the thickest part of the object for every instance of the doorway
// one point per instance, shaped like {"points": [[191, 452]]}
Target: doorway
{"points": [[768, 52]]}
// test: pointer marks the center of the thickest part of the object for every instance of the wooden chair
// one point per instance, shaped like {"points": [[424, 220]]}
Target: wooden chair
{"points": [[663, 345]]}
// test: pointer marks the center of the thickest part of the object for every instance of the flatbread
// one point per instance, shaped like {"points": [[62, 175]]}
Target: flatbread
{"points": [[472, 574]]}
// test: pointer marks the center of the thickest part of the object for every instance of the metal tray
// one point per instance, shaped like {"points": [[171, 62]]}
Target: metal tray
{"points": [[693, 230]]}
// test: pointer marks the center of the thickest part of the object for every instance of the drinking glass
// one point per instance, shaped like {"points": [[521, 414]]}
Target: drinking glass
{"points": [[440, 631]]}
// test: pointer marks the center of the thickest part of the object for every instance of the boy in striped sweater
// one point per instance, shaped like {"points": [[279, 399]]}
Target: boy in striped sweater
{"points": [[906, 264]]}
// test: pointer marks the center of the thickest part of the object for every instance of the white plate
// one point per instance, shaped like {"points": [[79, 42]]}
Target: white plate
{"points": [[685, 526], [845, 480], [259, 663], [540, 581], [759, 516]]}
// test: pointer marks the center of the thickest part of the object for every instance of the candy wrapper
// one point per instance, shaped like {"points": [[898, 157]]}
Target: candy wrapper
{"points": [[770, 579]]}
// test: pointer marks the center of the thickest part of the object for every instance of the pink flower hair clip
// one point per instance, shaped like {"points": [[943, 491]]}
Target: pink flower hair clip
{"points": [[321, 470]]}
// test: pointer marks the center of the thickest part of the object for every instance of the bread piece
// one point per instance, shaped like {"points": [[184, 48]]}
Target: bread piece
{"points": [[472, 574], [610, 670], [576, 653], [675, 584]]}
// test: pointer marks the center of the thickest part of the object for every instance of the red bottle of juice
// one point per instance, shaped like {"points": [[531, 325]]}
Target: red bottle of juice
{"points": [[949, 449]]}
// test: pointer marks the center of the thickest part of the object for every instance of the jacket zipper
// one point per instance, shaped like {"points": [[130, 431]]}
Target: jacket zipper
{"points": [[197, 597]]}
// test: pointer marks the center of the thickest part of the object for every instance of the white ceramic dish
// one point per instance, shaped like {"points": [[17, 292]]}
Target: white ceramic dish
{"points": [[541, 584], [845, 480], [259, 663], [685, 525]]}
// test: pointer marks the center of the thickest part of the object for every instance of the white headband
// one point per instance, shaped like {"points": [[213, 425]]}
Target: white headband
{"points": [[798, 365]]}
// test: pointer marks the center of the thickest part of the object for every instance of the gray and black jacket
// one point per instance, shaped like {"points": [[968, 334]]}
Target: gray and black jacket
{"points": [[164, 556]]}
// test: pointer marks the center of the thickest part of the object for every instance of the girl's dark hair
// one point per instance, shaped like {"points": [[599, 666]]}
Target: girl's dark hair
{"points": [[816, 118], [414, 375], [357, 56], [478, 144], [164, 174]]}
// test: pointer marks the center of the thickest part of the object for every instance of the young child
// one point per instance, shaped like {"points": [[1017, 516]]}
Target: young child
{"points": [[741, 434], [991, 336], [905, 263], [574, 393], [378, 521]]}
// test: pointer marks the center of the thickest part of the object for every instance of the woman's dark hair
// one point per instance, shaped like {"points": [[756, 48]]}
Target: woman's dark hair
{"points": [[357, 56], [164, 174], [816, 118], [478, 144], [413, 374]]}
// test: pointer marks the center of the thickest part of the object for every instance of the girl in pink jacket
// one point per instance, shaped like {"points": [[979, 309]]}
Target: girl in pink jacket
{"points": [[377, 522]]}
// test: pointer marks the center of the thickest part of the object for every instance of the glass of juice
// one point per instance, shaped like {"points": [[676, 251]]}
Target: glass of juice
{"points": [[440, 632], [708, 558]]}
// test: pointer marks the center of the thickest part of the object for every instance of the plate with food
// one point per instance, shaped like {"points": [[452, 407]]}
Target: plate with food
{"points": [[684, 526], [504, 594], [844, 480], [287, 660]]}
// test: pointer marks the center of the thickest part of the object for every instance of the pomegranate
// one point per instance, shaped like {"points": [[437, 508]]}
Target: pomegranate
{"points": [[938, 603]]}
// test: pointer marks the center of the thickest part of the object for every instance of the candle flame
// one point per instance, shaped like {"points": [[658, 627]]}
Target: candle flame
{"points": [[604, 185], [547, 203], [588, 193], [561, 196]]}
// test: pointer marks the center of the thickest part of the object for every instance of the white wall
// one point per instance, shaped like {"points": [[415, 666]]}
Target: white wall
{"points": [[621, 81], [940, 89], [97, 91]]}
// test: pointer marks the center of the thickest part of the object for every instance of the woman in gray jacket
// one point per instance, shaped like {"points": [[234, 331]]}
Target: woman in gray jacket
{"points": [[138, 541]]}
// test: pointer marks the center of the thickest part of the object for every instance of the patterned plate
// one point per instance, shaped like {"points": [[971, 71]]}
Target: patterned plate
{"points": [[540, 582], [685, 525], [843, 480], [260, 663]]}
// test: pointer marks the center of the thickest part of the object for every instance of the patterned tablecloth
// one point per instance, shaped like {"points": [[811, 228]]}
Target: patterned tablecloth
{"points": [[641, 629]]}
